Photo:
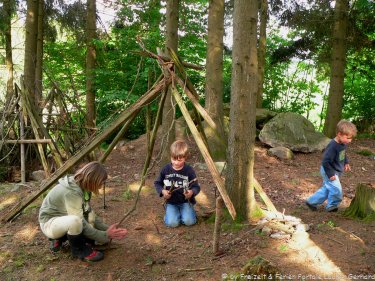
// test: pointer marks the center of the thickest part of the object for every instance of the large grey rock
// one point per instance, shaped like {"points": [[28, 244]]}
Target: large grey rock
{"points": [[293, 131], [281, 152], [262, 114], [38, 175]]}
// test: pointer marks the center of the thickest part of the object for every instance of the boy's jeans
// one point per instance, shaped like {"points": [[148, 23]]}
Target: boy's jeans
{"points": [[181, 213], [330, 190]]}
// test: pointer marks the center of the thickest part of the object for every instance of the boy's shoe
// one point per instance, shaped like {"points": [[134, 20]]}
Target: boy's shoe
{"points": [[94, 256], [311, 207], [332, 209], [55, 245]]}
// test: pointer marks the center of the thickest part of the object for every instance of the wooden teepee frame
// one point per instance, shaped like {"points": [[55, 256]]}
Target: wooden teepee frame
{"points": [[125, 119]]}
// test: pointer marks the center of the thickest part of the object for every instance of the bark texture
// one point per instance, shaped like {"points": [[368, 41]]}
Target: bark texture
{"points": [[8, 11], [90, 63], [338, 64], [363, 204], [244, 88], [31, 48], [168, 129], [262, 49], [214, 77], [39, 53]]}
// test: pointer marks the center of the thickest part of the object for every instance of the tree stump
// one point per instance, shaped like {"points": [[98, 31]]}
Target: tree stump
{"points": [[363, 204]]}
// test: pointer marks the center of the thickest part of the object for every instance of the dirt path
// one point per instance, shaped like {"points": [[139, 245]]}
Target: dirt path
{"points": [[335, 247]]}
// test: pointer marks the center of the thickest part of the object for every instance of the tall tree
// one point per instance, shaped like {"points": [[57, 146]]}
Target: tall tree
{"points": [[214, 77], [338, 64], [263, 11], [171, 42], [7, 12], [244, 88], [90, 63], [31, 48], [39, 51]]}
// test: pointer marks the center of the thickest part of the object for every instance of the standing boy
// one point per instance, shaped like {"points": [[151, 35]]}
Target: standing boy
{"points": [[178, 184], [334, 163]]}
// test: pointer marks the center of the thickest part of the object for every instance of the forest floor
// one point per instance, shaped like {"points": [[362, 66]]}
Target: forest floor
{"points": [[335, 247]]}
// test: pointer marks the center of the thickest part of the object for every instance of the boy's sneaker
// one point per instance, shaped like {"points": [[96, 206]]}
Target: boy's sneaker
{"points": [[332, 209], [55, 245], [94, 256], [311, 207]]}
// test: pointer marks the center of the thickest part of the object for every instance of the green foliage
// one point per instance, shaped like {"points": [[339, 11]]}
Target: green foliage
{"points": [[122, 73], [365, 152]]}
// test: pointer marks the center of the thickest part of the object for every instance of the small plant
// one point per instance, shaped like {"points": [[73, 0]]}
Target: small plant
{"points": [[365, 152], [283, 248], [326, 225], [128, 195], [362, 252], [149, 261], [40, 268]]}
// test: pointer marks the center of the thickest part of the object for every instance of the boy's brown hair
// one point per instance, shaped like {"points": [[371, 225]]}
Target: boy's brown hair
{"points": [[346, 127], [91, 177], [179, 149]]}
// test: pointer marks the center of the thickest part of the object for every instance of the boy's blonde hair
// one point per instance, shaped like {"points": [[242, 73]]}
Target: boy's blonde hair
{"points": [[91, 177], [346, 127], [179, 149]]}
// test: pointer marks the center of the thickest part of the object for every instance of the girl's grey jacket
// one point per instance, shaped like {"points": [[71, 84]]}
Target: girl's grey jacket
{"points": [[66, 198]]}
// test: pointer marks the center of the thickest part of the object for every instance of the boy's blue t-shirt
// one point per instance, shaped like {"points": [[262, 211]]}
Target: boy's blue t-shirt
{"points": [[334, 158], [180, 180]]}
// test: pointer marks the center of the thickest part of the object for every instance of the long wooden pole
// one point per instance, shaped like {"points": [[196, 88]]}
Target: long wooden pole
{"points": [[123, 117], [205, 153]]}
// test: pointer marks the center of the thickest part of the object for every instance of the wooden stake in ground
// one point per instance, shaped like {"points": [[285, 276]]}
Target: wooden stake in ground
{"points": [[218, 219], [363, 204]]}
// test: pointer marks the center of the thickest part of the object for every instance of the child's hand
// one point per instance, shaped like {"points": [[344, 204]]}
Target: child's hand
{"points": [[347, 168], [332, 178], [188, 194], [116, 233], [166, 194]]}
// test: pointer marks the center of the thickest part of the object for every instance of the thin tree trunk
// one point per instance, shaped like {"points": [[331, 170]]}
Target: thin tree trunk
{"points": [[338, 64], [31, 48], [244, 88], [8, 11], [214, 76], [39, 53], [90, 64], [262, 50], [168, 130]]}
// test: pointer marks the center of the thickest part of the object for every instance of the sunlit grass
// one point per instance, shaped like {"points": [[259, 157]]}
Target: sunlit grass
{"points": [[8, 201], [28, 233]]}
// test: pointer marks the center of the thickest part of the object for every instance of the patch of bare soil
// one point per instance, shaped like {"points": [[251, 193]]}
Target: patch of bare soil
{"points": [[335, 247]]}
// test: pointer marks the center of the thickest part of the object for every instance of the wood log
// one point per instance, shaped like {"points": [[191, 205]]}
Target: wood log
{"points": [[363, 204], [217, 229]]}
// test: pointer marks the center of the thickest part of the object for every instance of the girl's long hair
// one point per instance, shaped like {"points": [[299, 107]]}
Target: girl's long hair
{"points": [[91, 177]]}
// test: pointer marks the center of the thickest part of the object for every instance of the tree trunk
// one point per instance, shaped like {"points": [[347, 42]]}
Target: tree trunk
{"points": [[168, 130], [262, 49], [8, 11], [338, 63], [39, 53], [244, 88], [214, 77], [363, 204], [31, 48], [90, 64]]}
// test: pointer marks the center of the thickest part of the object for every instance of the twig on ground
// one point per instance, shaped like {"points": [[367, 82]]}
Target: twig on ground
{"points": [[198, 269], [335, 241]]}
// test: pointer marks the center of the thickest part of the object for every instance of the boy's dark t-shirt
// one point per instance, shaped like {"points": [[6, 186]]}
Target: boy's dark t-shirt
{"points": [[180, 179], [334, 158]]}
